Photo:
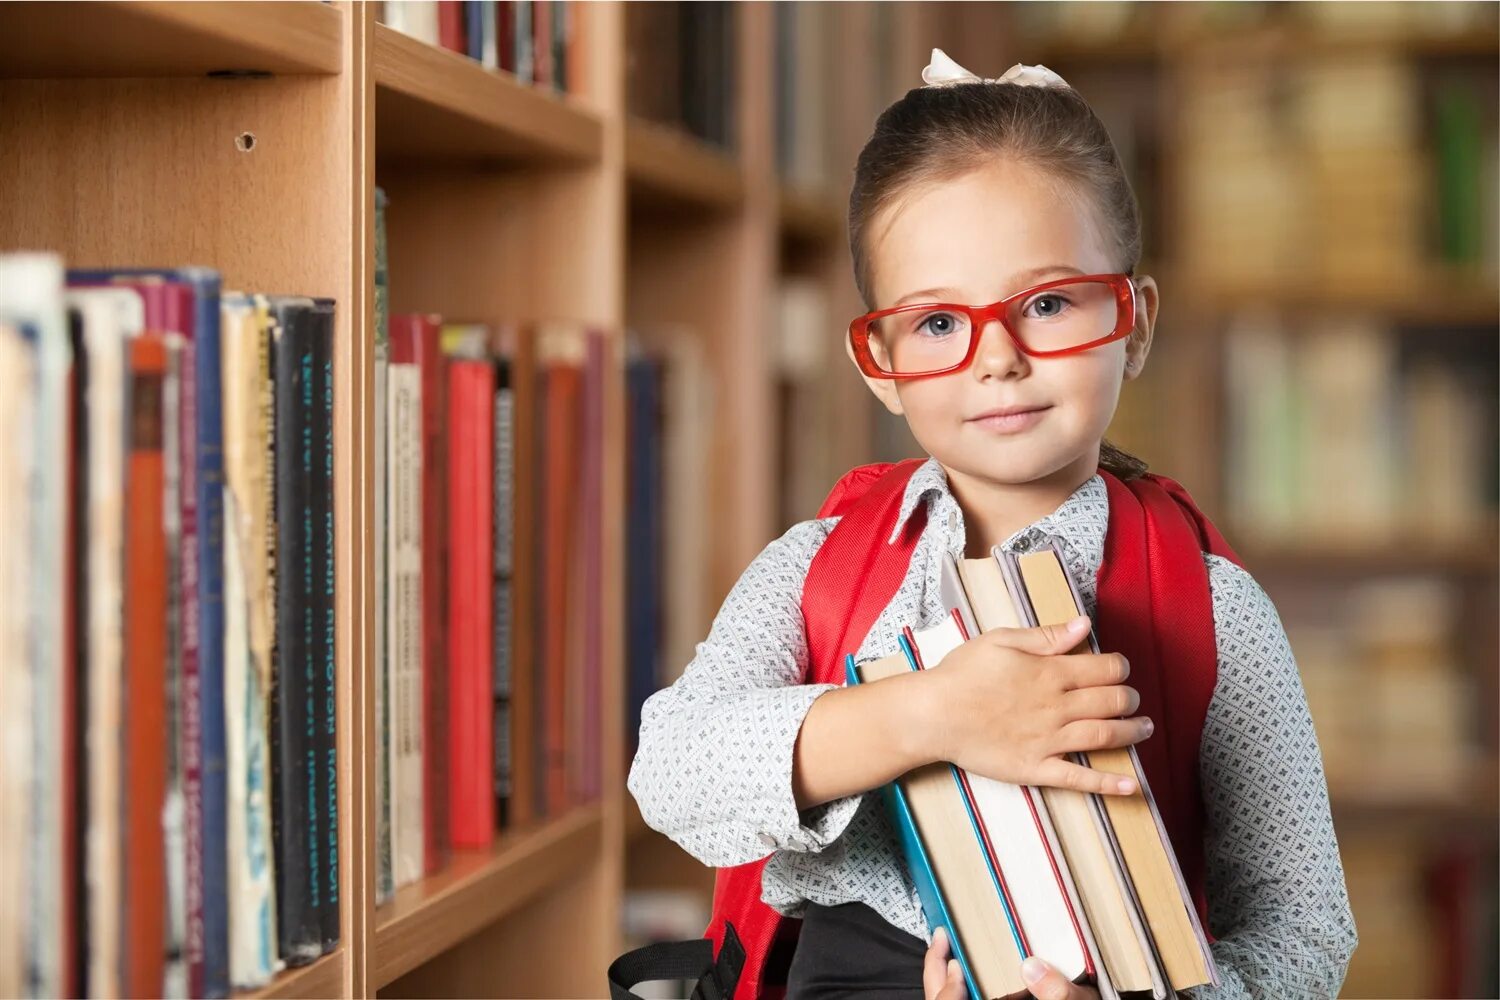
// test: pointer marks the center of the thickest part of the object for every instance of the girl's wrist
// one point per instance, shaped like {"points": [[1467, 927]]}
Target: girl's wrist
{"points": [[924, 723]]}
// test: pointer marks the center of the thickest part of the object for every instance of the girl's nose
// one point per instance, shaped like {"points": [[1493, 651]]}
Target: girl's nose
{"points": [[997, 355]]}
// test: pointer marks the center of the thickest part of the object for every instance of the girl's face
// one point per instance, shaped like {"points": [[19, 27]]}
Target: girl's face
{"points": [[976, 239]]}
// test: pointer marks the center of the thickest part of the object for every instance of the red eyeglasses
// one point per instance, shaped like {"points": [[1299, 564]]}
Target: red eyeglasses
{"points": [[1066, 316]]}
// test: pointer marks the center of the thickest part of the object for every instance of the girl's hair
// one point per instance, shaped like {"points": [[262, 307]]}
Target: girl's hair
{"points": [[938, 133]]}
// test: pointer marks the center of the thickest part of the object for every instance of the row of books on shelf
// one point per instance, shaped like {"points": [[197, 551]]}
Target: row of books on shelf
{"points": [[1316, 406], [1391, 691], [1090, 883], [1359, 169], [535, 40], [167, 602], [488, 579], [680, 66]]}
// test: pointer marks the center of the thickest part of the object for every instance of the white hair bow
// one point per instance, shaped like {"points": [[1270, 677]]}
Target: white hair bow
{"points": [[942, 71]]}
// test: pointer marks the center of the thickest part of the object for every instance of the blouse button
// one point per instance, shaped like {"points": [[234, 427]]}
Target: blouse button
{"points": [[768, 841]]}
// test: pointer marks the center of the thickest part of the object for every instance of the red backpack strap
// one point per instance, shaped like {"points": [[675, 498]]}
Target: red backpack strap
{"points": [[1154, 606], [858, 569], [850, 581]]}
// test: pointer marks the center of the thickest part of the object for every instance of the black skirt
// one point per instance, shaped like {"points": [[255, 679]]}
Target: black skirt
{"points": [[851, 951]]}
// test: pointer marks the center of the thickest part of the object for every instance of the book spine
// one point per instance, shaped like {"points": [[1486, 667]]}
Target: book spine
{"points": [[174, 813], [404, 564], [324, 583], [189, 695], [145, 676], [299, 860], [252, 959], [434, 593], [470, 400], [385, 884], [210, 553], [504, 535]]}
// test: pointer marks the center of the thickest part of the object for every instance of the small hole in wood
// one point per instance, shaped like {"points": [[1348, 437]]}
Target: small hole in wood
{"points": [[244, 142]]}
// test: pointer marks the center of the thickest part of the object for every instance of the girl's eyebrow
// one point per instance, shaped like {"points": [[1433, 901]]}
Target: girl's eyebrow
{"points": [[1023, 279]]}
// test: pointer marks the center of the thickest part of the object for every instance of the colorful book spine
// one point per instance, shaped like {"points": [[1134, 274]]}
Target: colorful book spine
{"points": [[471, 400]]}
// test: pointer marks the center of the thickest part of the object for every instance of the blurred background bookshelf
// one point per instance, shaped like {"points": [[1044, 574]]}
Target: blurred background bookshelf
{"points": [[1318, 186]]}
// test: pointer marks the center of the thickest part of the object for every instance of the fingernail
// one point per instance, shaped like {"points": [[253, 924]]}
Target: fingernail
{"points": [[953, 970], [1078, 625], [1125, 785], [1150, 727], [1032, 970], [939, 936]]}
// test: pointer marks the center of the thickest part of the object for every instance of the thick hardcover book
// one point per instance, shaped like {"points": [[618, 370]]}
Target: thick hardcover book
{"points": [[110, 318], [471, 401], [249, 634], [385, 884], [145, 746], [504, 567], [591, 499], [560, 355], [321, 317], [424, 334], [406, 746], [297, 816]]}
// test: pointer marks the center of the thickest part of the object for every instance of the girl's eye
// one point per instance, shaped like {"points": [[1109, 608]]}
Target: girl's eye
{"points": [[940, 324], [1046, 306]]}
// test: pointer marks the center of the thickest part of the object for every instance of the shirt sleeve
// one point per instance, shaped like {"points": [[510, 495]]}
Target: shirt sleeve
{"points": [[1275, 883], [713, 765]]}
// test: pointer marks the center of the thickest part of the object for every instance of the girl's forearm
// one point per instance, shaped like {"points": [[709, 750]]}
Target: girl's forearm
{"points": [[857, 738]]}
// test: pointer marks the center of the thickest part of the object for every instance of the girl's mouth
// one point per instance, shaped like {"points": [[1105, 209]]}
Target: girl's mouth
{"points": [[1009, 419]]}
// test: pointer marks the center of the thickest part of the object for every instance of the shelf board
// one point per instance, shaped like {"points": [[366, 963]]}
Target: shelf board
{"points": [[46, 40], [1476, 558], [809, 215], [1445, 297], [323, 978], [433, 104], [668, 167], [478, 888]]}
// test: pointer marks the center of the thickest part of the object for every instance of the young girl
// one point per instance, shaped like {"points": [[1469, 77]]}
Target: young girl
{"points": [[975, 192]]}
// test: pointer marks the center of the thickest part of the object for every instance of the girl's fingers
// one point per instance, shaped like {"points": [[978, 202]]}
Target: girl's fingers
{"points": [[1113, 702], [1060, 773], [934, 968], [1102, 734]]}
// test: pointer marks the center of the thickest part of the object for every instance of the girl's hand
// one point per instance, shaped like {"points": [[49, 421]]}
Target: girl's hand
{"points": [[1010, 704], [1046, 983], [942, 979]]}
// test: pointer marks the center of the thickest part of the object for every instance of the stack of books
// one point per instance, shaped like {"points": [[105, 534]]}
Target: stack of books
{"points": [[1088, 883]]}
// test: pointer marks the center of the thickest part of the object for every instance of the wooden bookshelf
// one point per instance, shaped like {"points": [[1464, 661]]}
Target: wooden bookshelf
{"points": [[169, 39], [510, 202]]}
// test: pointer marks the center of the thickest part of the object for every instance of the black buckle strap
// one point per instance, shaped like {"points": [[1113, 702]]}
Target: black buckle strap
{"points": [[694, 960]]}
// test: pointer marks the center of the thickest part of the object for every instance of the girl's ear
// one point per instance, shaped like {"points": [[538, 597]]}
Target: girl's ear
{"points": [[1138, 344], [883, 388]]}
